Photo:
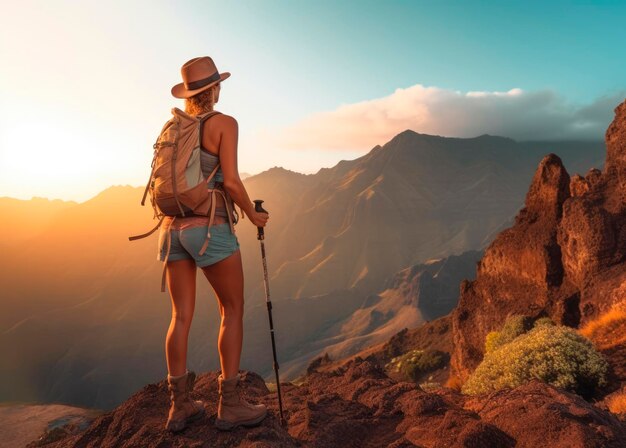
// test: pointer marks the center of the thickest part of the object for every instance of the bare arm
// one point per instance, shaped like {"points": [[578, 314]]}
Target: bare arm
{"points": [[228, 160]]}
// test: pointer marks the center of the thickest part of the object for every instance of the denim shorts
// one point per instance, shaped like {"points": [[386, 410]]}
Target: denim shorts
{"points": [[186, 243]]}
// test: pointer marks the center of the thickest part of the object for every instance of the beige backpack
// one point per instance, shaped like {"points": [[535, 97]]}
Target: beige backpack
{"points": [[177, 185]]}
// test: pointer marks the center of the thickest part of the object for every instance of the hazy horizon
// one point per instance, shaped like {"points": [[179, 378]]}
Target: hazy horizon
{"points": [[247, 175]]}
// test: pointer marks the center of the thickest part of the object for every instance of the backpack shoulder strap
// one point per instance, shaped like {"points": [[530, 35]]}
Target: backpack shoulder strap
{"points": [[208, 115], [202, 119]]}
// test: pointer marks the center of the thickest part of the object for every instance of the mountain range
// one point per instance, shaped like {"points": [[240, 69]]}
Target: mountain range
{"points": [[355, 253]]}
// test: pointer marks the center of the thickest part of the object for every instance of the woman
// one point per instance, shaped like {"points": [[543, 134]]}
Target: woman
{"points": [[220, 264]]}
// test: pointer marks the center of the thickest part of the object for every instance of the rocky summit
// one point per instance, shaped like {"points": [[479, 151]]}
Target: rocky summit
{"points": [[358, 405]]}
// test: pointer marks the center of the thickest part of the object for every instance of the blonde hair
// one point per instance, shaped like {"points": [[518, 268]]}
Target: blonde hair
{"points": [[202, 102]]}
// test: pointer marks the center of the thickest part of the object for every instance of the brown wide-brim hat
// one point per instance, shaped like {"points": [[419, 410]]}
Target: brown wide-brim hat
{"points": [[198, 75]]}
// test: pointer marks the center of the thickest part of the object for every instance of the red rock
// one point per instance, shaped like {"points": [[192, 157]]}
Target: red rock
{"points": [[615, 137], [357, 405], [537, 414], [565, 256]]}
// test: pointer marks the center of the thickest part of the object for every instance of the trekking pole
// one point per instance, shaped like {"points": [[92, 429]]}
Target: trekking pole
{"points": [[261, 237]]}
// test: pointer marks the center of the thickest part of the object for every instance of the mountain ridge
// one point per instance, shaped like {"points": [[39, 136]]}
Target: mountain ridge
{"points": [[333, 240]]}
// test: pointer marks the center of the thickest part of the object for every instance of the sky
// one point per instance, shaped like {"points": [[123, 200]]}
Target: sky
{"points": [[85, 85]]}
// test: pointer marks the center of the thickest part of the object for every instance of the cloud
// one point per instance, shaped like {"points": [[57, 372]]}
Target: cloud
{"points": [[515, 113]]}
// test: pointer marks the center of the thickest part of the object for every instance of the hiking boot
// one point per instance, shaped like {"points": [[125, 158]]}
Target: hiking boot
{"points": [[233, 410], [183, 409]]}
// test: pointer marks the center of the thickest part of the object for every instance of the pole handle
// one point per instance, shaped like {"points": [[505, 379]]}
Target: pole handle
{"points": [[259, 208]]}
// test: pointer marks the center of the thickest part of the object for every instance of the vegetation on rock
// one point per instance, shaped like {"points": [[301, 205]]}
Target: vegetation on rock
{"points": [[617, 403], [607, 331], [415, 363], [555, 354], [513, 327]]}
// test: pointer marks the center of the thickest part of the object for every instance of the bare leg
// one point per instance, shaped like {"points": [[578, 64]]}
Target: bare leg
{"points": [[226, 278], [219, 220], [181, 281]]}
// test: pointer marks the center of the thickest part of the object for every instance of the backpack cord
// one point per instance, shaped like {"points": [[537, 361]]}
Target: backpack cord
{"points": [[145, 192], [174, 181], [143, 235], [168, 237], [156, 148]]}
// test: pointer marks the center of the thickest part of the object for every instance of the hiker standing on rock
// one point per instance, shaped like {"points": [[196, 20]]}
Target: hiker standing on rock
{"points": [[214, 237]]}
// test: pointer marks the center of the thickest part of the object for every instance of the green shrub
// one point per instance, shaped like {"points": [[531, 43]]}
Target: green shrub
{"points": [[513, 327], [492, 341], [544, 321], [552, 353], [415, 363]]}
